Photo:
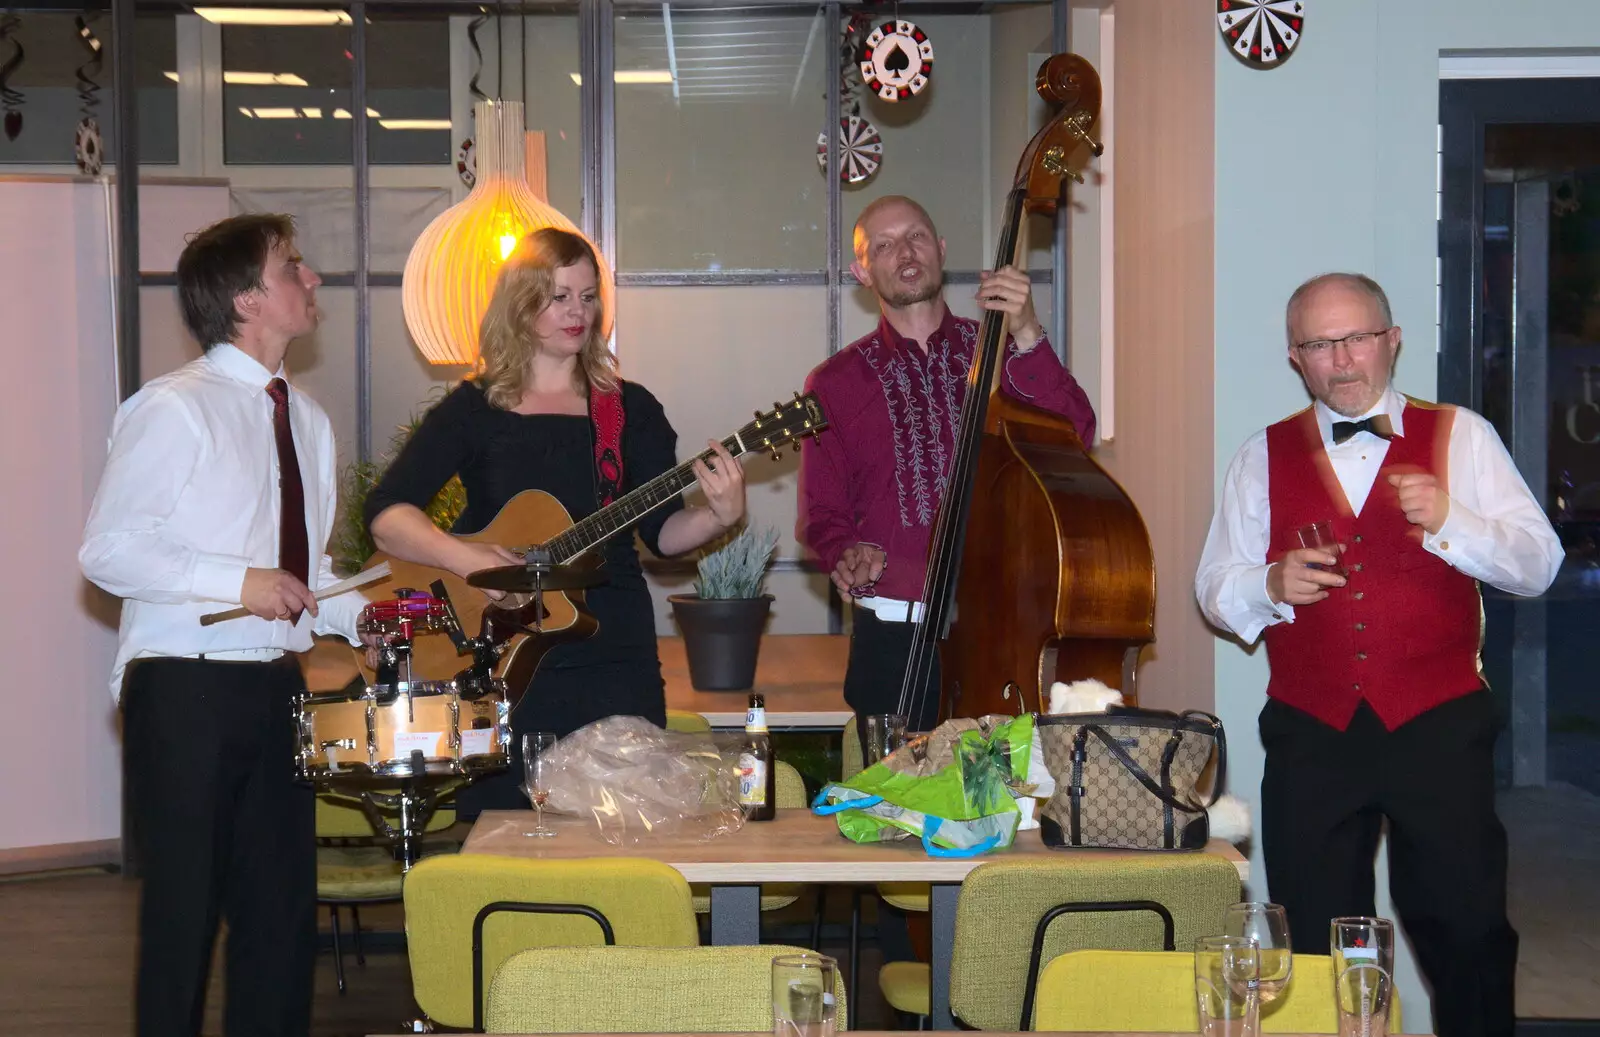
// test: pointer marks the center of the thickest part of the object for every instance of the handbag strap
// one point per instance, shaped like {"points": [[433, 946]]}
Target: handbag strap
{"points": [[1138, 772], [1220, 736]]}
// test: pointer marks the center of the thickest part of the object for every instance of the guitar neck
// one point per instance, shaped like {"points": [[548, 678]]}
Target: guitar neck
{"points": [[622, 513]]}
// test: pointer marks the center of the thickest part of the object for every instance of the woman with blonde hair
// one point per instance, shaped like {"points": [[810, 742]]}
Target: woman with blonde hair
{"points": [[546, 394]]}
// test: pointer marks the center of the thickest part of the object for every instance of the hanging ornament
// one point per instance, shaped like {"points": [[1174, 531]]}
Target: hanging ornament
{"points": [[1261, 33], [466, 162], [88, 148], [451, 271], [897, 60], [10, 99], [860, 149]]}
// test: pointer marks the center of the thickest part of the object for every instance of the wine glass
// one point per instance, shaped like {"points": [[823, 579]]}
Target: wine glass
{"points": [[536, 749], [1268, 925]]}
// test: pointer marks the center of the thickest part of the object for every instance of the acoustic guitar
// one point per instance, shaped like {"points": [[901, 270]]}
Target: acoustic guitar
{"points": [[533, 523]]}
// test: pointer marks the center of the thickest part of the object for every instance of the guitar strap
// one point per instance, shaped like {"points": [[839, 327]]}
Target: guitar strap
{"points": [[605, 413]]}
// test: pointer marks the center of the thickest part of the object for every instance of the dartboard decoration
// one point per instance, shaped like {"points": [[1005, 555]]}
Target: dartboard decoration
{"points": [[1261, 33], [897, 60], [467, 163], [860, 149]]}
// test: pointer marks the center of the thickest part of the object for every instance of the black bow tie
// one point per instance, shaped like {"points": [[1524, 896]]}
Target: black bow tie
{"points": [[1378, 425]]}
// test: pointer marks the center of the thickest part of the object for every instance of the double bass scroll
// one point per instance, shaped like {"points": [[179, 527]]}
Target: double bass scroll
{"points": [[1040, 566]]}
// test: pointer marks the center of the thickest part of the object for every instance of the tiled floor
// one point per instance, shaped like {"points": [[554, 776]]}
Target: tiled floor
{"points": [[1555, 899]]}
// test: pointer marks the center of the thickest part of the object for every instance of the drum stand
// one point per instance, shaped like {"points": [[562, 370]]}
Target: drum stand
{"points": [[415, 803]]}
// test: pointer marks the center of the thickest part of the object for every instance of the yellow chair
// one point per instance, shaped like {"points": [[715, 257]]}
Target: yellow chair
{"points": [[466, 914], [1013, 915], [790, 791], [355, 866], [687, 722], [1097, 991], [639, 990]]}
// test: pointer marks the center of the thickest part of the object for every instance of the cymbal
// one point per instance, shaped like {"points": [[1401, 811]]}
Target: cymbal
{"points": [[538, 576]]}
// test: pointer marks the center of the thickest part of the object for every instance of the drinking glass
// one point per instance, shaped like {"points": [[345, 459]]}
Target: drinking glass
{"points": [[1320, 536], [885, 732], [1363, 974], [536, 749], [1268, 925], [803, 1003], [1227, 971]]}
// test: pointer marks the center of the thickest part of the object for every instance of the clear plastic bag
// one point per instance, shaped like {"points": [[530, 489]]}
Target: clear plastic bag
{"points": [[637, 782]]}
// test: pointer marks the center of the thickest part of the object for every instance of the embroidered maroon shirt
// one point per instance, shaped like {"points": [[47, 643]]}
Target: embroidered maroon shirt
{"points": [[879, 471], [1403, 633]]}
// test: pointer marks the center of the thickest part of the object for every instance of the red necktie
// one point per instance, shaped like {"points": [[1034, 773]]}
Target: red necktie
{"points": [[293, 555]]}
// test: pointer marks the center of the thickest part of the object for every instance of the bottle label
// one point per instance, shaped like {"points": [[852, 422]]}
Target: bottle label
{"points": [[752, 781], [755, 718]]}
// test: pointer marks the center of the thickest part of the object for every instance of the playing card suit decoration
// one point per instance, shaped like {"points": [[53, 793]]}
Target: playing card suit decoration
{"points": [[1261, 33], [860, 149], [11, 98], [467, 163], [89, 149], [897, 60]]}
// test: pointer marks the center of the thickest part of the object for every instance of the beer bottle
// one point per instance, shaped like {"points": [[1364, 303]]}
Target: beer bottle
{"points": [[757, 796]]}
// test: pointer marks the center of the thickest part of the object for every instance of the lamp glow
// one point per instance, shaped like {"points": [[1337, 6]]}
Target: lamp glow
{"points": [[451, 271]]}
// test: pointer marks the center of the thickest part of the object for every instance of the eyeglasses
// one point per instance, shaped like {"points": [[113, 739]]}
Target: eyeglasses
{"points": [[1354, 343]]}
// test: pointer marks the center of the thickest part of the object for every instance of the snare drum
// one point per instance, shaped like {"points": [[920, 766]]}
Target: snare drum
{"points": [[378, 732]]}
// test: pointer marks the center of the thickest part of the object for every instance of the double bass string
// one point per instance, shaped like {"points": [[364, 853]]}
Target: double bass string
{"points": [[946, 545]]}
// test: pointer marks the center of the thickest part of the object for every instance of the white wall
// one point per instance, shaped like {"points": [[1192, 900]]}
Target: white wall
{"points": [[1329, 163], [62, 768]]}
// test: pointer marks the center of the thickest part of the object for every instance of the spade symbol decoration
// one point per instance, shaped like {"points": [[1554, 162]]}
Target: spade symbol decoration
{"points": [[897, 60], [1261, 33], [11, 99]]}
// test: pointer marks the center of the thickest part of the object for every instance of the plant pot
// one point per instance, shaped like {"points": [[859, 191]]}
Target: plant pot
{"points": [[721, 637]]}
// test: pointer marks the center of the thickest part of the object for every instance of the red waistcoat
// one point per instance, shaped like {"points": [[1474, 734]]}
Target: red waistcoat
{"points": [[1405, 632]]}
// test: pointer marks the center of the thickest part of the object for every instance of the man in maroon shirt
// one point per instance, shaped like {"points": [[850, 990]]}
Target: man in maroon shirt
{"points": [[870, 488]]}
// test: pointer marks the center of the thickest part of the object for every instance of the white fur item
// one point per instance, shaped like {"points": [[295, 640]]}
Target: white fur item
{"points": [[1229, 816]]}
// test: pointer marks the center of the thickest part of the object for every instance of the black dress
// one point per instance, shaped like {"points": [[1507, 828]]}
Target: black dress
{"points": [[498, 454]]}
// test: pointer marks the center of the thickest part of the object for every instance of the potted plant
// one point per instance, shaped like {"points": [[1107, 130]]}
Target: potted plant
{"points": [[723, 620]]}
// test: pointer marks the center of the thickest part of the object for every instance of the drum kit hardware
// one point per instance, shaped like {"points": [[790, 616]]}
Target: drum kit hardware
{"points": [[398, 745]]}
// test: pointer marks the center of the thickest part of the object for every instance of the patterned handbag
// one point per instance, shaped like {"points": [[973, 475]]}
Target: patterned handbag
{"points": [[1126, 778]]}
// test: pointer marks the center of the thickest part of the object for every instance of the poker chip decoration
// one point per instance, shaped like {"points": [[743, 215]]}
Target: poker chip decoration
{"points": [[467, 163], [860, 149], [1261, 33], [897, 60], [88, 148]]}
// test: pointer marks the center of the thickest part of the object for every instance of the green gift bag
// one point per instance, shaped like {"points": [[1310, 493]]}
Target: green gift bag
{"points": [[954, 788]]}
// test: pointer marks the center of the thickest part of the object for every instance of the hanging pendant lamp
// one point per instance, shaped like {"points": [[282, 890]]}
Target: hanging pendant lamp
{"points": [[451, 271]]}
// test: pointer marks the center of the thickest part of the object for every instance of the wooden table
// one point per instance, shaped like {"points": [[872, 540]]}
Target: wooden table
{"points": [[800, 675], [798, 846]]}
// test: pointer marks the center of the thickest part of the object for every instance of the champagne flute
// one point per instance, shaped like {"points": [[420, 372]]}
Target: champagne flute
{"points": [[1268, 925], [536, 750]]}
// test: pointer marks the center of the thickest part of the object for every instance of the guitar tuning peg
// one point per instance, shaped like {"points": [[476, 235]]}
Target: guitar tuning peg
{"points": [[777, 455], [797, 395], [776, 405]]}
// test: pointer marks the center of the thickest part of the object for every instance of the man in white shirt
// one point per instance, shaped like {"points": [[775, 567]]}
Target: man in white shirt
{"points": [[1376, 707], [220, 479]]}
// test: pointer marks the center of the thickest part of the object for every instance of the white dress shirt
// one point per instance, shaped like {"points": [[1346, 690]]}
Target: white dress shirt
{"points": [[1494, 532], [188, 501]]}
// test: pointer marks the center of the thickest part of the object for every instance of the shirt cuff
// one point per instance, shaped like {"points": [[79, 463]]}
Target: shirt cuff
{"points": [[1460, 527], [338, 615], [1269, 611], [219, 577]]}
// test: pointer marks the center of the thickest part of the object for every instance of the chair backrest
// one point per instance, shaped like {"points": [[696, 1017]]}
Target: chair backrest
{"points": [[687, 721], [1153, 991], [342, 817], [645, 902], [788, 787], [1003, 901], [639, 990], [850, 759]]}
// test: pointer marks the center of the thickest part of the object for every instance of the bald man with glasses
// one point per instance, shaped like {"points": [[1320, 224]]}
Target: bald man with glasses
{"points": [[1376, 707]]}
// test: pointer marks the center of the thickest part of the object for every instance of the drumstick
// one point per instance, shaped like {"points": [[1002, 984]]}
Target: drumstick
{"points": [[360, 579]]}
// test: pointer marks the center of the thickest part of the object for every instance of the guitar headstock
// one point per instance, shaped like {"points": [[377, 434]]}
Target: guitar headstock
{"points": [[785, 423]]}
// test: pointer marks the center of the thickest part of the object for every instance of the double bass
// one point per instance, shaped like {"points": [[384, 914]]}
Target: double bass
{"points": [[1040, 567]]}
